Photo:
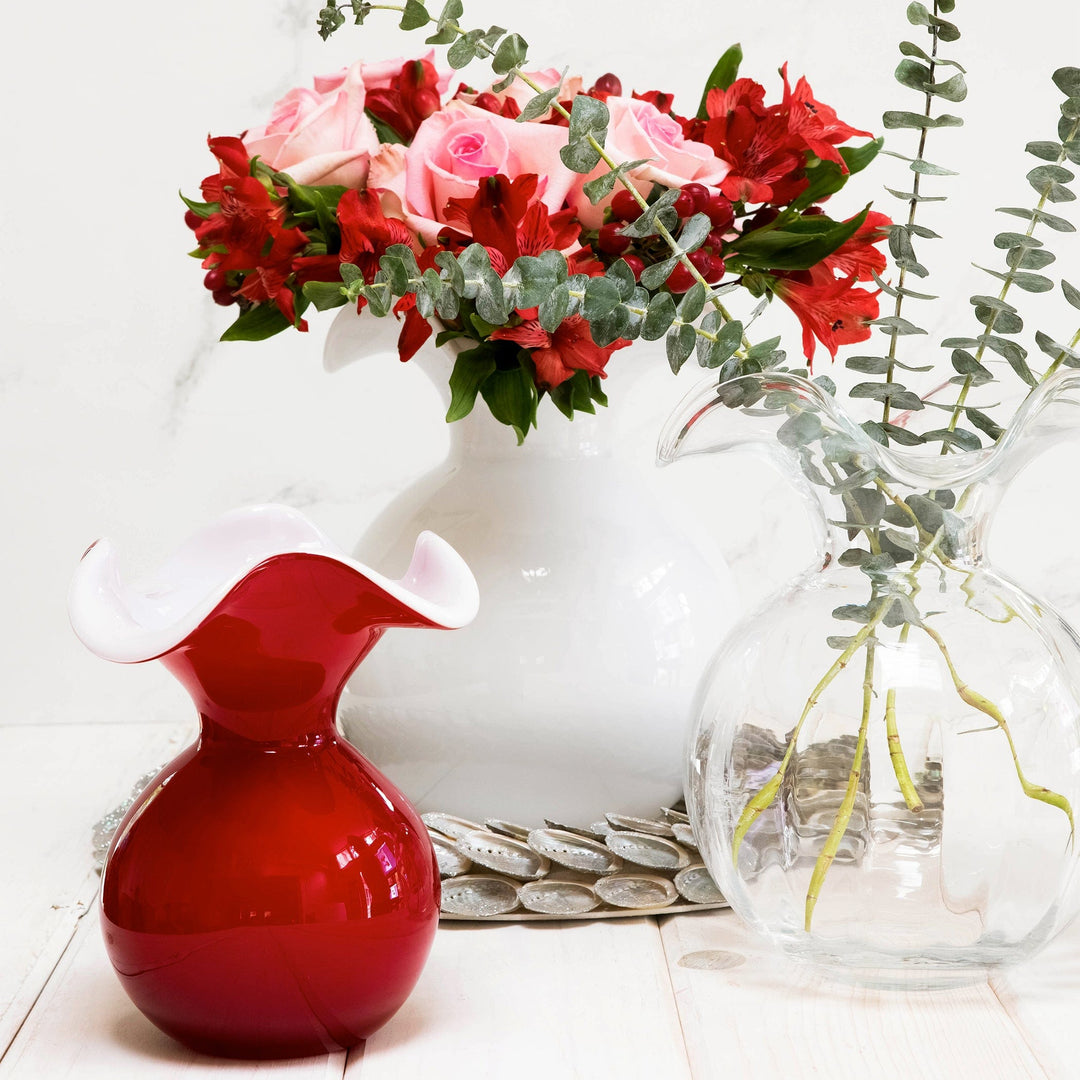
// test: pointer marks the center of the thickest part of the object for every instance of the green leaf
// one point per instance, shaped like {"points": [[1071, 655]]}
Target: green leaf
{"points": [[693, 303], [902, 435], [1023, 258], [589, 119], [452, 272], [694, 232], [968, 366], [660, 210], [713, 353], [984, 423], [1067, 80], [325, 295], [894, 326], [464, 49], [723, 74], [1055, 350], [620, 273], [604, 184], [258, 323], [909, 48], [1058, 224], [912, 196], [601, 296], [510, 54], [916, 76], [680, 344], [1034, 283], [652, 277], [537, 106], [414, 16], [918, 15], [894, 119], [491, 302], [660, 316], [330, 18], [555, 308], [1015, 239], [1072, 294], [532, 281], [471, 368], [961, 439], [1048, 151], [445, 31], [800, 429], [798, 245], [512, 398]]}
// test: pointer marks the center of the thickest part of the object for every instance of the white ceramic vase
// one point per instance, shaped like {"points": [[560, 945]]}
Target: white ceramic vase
{"points": [[569, 695]]}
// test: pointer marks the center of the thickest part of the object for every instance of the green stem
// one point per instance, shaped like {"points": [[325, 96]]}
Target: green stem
{"points": [[847, 804], [988, 708], [764, 797]]}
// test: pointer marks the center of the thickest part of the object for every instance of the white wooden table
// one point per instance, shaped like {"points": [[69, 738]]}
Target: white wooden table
{"points": [[671, 998]]}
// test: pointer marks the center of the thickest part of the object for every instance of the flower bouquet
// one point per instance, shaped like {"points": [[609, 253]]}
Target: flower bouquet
{"points": [[544, 224]]}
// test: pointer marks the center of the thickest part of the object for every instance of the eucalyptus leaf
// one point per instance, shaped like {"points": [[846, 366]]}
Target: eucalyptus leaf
{"points": [[414, 16], [1052, 221], [660, 316], [1072, 294]]}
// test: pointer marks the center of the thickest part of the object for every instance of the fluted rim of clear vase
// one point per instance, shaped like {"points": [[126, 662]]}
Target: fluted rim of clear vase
{"points": [[905, 467]]}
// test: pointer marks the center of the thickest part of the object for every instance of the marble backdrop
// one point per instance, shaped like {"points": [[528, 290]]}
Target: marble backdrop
{"points": [[122, 415]]}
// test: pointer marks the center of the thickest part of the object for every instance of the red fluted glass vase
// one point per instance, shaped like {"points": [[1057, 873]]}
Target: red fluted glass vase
{"points": [[270, 894]]}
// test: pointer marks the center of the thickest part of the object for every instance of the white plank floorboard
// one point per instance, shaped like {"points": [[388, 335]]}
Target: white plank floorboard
{"points": [[540, 1001], [55, 782], [748, 1011], [85, 1028], [1042, 998]]}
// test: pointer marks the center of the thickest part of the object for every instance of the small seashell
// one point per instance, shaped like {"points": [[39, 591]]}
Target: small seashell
{"points": [[450, 859], [655, 852], [508, 828], [479, 896], [685, 835], [695, 884], [590, 833], [645, 891], [640, 825], [574, 850], [503, 854], [448, 825], [557, 897]]}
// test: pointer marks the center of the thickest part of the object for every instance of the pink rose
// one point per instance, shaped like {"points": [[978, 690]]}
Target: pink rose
{"points": [[320, 136], [457, 147], [638, 129]]}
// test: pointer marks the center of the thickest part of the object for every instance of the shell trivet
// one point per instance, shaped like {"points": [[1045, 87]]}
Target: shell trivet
{"points": [[499, 870]]}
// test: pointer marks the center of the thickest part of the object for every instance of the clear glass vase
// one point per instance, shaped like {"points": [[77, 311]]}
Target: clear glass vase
{"points": [[885, 760]]}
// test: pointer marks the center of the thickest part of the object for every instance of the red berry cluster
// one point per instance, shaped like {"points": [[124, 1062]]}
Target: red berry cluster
{"points": [[693, 199]]}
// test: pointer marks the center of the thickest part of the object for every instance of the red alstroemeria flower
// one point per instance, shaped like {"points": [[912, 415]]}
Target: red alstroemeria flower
{"points": [[766, 162], [815, 123], [504, 217], [859, 257], [366, 233], [830, 309], [411, 98], [558, 355]]}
